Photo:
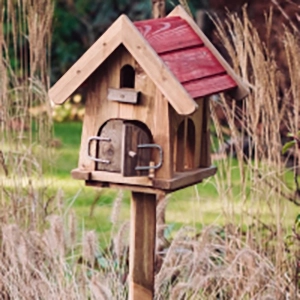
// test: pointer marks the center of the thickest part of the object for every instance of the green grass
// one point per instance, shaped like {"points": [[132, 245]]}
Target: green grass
{"points": [[66, 157], [195, 206], [181, 208]]}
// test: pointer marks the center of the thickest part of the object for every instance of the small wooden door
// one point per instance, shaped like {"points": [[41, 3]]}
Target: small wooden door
{"points": [[119, 149], [110, 150]]}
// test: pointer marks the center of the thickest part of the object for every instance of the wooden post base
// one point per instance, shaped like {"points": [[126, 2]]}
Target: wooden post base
{"points": [[142, 246]]}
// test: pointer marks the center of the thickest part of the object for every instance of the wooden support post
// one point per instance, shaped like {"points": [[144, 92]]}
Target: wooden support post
{"points": [[142, 246]]}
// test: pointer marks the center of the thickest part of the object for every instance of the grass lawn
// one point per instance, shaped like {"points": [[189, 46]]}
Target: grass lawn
{"points": [[182, 204], [197, 205]]}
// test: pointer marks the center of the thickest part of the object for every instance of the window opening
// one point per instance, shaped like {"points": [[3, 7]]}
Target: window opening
{"points": [[127, 77]]}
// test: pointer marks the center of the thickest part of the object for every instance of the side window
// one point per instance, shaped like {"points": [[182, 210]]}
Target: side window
{"points": [[185, 146], [179, 148], [127, 77], [190, 145]]}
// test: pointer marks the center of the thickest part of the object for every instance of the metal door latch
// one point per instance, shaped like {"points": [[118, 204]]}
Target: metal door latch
{"points": [[143, 168], [99, 139]]}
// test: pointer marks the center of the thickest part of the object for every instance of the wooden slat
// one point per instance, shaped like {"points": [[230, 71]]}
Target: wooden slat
{"points": [[179, 147], [125, 95], [143, 184], [132, 188], [191, 64], [119, 178], [205, 159], [161, 135], [197, 118], [162, 77], [168, 34], [111, 150], [209, 85], [184, 179], [97, 109], [80, 174], [132, 156], [242, 91], [142, 246], [190, 148]]}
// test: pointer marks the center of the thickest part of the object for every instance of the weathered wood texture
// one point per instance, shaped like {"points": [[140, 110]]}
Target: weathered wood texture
{"points": [[87, 64], [205, 158], [209, 85], [242, 90], [166, 34], [179, 147], [99, 110], [110, 150], [144, 184], [119, 178], [191, 62], [125, 95], [142, 246], [80, 174], [123, 32], [121, 151], [132, 155], [130, 187], [184, 179], [162, 77], [186, 133], [163, 136]]}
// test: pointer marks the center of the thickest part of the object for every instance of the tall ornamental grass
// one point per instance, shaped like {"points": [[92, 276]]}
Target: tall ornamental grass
{"points": [[253, 255]]}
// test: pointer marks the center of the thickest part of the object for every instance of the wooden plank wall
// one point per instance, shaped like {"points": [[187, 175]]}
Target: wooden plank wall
{"points": [[182, 156], [152, 108]]}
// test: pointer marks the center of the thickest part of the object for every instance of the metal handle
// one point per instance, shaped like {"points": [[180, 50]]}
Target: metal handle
{"points": [[143, 168], [99, 139]]}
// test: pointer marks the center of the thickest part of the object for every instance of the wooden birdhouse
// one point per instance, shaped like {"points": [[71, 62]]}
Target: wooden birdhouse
{"points": [[146, 124]]}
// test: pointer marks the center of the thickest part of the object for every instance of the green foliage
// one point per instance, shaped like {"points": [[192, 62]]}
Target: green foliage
{"points": [[295, 141], [78, 23], [72, 110], [288, 146]]}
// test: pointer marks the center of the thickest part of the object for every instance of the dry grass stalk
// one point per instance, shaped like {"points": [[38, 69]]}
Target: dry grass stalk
{"points": [[116, 210], [99, 290], [186, 6], [244, 259], [25, 39], [272, 106], [120, 241], [90, 247]]}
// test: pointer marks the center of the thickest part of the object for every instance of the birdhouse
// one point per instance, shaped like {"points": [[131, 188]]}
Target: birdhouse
{"points": [[146, 123]]}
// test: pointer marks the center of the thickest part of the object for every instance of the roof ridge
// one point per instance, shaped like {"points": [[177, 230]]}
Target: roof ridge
{"points": [[157, 20]]}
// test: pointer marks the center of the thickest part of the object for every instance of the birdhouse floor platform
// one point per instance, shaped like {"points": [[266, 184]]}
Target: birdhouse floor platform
{"points": [[143, 183]]}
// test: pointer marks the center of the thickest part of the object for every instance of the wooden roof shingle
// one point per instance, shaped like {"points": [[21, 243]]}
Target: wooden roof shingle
{"points": [[187, 57], [173, 52]]}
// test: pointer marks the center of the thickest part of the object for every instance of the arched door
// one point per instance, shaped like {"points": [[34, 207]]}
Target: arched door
{"points": [[123, 147]]}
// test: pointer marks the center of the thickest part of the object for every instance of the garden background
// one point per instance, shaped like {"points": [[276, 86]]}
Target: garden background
{"points": [[235, 236]]}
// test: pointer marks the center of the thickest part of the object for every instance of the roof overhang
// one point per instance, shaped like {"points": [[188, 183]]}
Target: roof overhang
{"points": [[124, 32], [238, 93]]}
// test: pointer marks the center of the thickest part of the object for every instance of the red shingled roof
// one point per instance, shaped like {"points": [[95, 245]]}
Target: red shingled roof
{"points": [[187, 57]]}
